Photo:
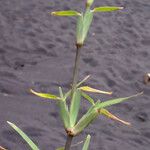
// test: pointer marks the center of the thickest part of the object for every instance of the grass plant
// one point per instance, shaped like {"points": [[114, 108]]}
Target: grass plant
{"points": [[69, 113]]}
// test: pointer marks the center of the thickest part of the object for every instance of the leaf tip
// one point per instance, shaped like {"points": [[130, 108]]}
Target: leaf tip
{"points": [[53, 13], [121, 8], [9, 122], [32, 91]]}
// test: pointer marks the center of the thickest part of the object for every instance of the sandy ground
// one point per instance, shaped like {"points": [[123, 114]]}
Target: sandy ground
{"points": [[37, 51]]}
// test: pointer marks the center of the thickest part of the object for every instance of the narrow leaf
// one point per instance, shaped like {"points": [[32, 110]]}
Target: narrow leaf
{"points": [[81, 82], [85, 120], [67, 94], [88, 17], [86, 143], [89, 89], [64, 113], [109, 115], [79, 31], [61, 92], [75, 105], [24, 136], [114, 101], [89, 3], [87, 97], [45, 95], [66, 13], [106, 9]]}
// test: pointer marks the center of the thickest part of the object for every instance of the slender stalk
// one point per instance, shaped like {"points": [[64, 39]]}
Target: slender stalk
{"points": [[74, 83], [68, 142], [76, 68]]}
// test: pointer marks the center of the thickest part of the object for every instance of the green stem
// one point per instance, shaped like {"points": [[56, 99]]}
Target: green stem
{"points": [[68, 142]]}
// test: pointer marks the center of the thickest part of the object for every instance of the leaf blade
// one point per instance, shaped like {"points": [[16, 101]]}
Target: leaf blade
{"points": [[115, 101], [106, 9], [85, 120], [113, 117], [86, 143], [64, 113], [93, 90], [24, 136], [82, 81], [75, 105], [87, 97], [66, 13], [79, 31], [87, 20], [45, 95]]}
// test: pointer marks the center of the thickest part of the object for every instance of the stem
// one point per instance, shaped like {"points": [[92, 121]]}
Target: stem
{"points": [[74, 83], [68, 142], [76, 67]]}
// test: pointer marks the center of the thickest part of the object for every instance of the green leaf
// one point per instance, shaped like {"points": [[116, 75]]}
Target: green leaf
{"points": [[67, 94], [61, 92], [79, 31], [81, 82], [114, 101], [66, 13], [75, 105], [89, 89], [88, 17], [85, 120], [45, 95], [106, 9], [24, 136], [86, 143], [87, 97], [89, 3], [64, 112]]}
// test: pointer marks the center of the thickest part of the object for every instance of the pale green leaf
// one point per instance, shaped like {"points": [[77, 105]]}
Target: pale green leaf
{"points": [[89, 3], [81, 82], [87, 97], [93, 90], [85, 120], [24, 136], [79, 31], [86, 143], [61, 93], [66, 13], [87, 20], [75, 105], [114, 101], [45, 95], [67, 94], [106, 9], [64, 113]]}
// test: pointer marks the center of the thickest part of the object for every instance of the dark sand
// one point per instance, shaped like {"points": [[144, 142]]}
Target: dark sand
{"points": [[37, 51]]}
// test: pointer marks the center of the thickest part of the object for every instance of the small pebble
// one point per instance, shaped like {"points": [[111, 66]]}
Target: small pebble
{"points": [[147, 78]]}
